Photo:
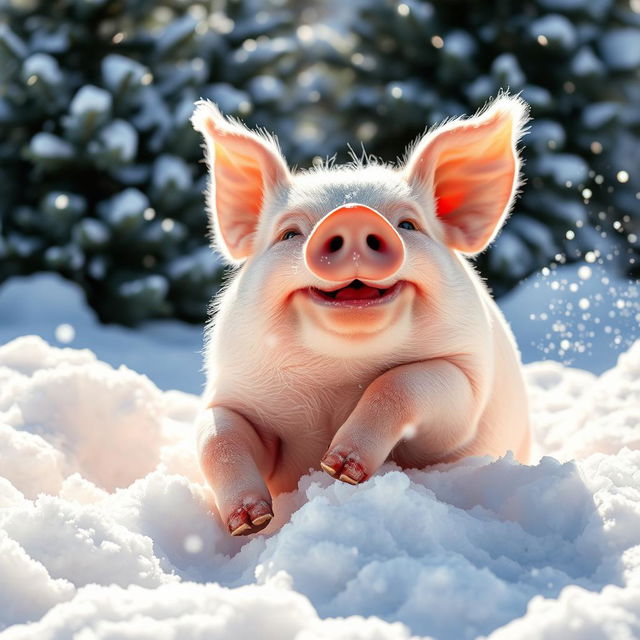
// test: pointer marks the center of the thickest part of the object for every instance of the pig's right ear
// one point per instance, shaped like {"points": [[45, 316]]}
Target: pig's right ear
{"points": [[245, 167], [470, 168]]}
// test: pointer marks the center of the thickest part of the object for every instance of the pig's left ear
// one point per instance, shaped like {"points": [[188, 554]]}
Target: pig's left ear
{"points": [[471, 170], [245, 168]]}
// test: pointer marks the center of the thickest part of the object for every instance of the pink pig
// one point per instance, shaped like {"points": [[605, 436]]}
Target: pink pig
{"points": [[354, 330]]}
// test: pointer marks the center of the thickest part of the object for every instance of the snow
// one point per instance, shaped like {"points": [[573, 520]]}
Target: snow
{"points": [[48, 145], [579, 314], [154, 285], [228, 98], [166, 351], [175, 33], [90, 232], [538, 98], [118, 137], [620, 48], [557, 29], [63, 206], [118, 70], [459, 45], [266, 89], [153, 111], [586, 63], [102, 461], [597, 115], [125, 209], [169, 170], [202, 263], [106, 529], [510, 255], [43, 66], [544, 131], [90, 98], [562, 168], [507, 69], [67, 257]]}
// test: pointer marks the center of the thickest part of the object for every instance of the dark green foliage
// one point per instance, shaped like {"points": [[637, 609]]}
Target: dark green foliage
{"points": [[100, 173], [100, 176]]}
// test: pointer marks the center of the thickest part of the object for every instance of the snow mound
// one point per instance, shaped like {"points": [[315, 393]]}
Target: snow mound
{"points": [[107, 530]]}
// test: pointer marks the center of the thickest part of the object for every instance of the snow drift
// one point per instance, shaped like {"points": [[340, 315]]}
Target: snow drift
{"points": [[106, 528]]}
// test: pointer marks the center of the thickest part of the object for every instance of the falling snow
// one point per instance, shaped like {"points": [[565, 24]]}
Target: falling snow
{"points": [[575, 313]]}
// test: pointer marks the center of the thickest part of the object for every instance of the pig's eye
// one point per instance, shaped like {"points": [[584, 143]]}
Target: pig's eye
{"points": [[291, 233], [407, 224]]}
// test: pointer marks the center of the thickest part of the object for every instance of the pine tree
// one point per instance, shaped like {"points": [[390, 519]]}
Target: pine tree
{"points": [[100, 177]]}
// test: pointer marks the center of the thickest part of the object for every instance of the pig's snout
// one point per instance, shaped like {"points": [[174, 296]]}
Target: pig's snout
{"points": [[354, 241]]}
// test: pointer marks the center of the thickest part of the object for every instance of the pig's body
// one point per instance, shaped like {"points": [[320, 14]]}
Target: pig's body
{"points": [[291, 388], [300, 398]]}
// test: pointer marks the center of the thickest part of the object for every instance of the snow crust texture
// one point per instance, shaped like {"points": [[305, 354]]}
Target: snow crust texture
{"points": [[107, 529]]}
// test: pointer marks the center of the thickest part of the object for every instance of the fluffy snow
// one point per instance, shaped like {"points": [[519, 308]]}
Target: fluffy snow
{"points": [[620, 49], [557, 29], [563, 168], [107, 530], [42, 66], [118, 70], [171, 170], [55, 309], [125, 209], [120, 137], [47, 145], [90, 98]]}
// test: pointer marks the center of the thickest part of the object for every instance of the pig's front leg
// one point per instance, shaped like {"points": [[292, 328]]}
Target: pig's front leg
{"points": [[234, 460], [430, 402]]}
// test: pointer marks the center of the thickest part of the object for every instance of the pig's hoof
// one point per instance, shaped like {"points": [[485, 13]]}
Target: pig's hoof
{"points": [[344, 467], [251, 517]]}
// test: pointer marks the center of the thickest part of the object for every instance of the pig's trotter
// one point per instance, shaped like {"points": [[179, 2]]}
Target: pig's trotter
{"points": [[251, 517], [235, 461], [353, 472], [325, 467], [239, 522], [344, 466], [431, 397]]}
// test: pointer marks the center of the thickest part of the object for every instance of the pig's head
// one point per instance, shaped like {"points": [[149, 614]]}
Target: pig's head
{"points": [[348, 261]]}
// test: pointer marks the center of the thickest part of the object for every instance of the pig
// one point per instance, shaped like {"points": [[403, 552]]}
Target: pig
{"points": [[353, 330]]}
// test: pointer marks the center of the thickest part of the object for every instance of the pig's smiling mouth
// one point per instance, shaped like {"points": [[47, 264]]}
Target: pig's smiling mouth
{"points": [[356, 293]]}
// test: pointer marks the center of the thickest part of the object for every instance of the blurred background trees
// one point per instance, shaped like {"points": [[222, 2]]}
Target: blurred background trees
{"points": [[100, 177]]}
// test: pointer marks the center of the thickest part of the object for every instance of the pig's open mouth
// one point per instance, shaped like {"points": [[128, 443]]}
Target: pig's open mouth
{"points": [[356, 292]]}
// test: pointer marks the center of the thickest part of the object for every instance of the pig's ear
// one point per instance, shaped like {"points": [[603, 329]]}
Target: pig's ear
{"points": [[471, 169], [245, 167]]}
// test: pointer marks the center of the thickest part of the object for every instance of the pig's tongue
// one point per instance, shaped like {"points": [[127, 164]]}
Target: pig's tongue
{"points": [[363, 292]]}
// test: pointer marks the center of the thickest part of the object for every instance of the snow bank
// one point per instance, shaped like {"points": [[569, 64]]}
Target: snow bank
{"points": [[106, 529], [47, 305]]}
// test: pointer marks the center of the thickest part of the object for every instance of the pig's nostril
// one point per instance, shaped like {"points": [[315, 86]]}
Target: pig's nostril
{"points": [[373, 242], [335, 244]]}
